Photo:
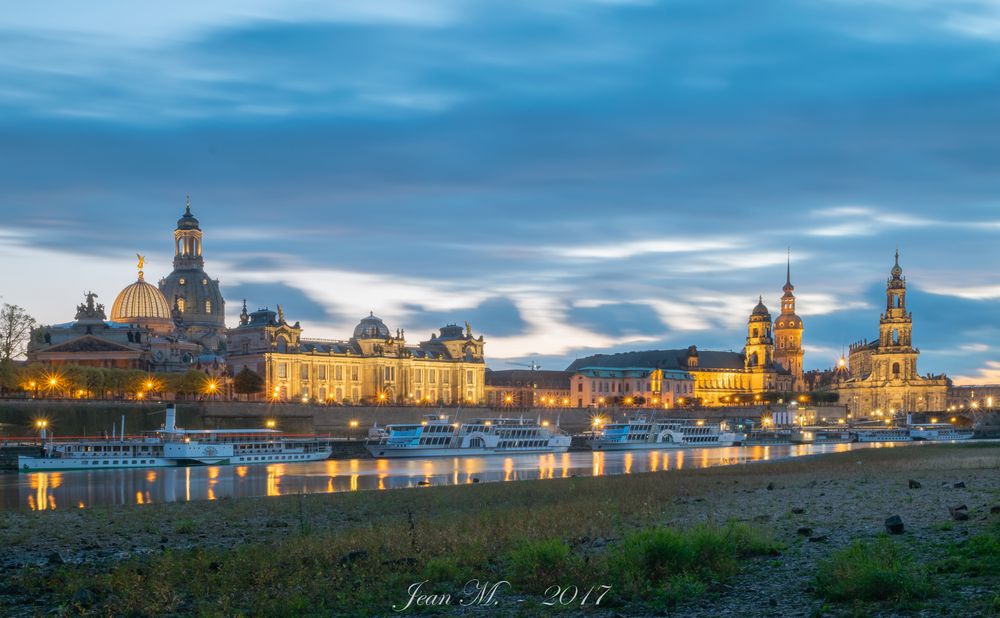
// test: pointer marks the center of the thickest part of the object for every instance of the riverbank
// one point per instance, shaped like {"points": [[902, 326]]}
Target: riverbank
{"points": [[333, 553]]}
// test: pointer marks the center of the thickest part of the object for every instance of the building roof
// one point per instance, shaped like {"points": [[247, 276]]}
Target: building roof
{"points": [[526, 377], [140, 302], [371, 327], [632, 372], [662, 359]]}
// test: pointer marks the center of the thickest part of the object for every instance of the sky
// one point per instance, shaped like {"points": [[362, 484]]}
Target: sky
{"points": [[571, 177]]}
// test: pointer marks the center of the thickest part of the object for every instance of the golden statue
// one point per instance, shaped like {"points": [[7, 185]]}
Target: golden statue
{"points": [[142, 261]]}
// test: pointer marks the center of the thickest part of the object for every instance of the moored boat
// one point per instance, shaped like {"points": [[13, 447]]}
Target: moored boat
{"points": [[173, 446], [642, 433], [939, 431], [437, 436]]}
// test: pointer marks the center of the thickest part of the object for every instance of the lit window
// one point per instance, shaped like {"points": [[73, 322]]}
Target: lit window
{"points": [[208, 306], [181, 281], [180, 302]]}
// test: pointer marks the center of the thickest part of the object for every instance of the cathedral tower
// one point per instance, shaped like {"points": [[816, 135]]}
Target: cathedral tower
{"points": [[895, 358], [759, 351], [788, 333], [195, 298]]}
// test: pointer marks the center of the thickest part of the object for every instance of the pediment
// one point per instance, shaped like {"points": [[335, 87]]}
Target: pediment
{"points": [[89, 343]]}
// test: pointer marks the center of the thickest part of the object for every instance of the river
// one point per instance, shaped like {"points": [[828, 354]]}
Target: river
{"points": [[91, 488]]}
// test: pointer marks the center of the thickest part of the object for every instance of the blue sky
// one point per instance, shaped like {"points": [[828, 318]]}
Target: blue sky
{"points": [[570, 177]]}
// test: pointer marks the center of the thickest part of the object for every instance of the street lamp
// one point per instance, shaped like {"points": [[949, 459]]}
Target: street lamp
{"points": [[270, 423]]}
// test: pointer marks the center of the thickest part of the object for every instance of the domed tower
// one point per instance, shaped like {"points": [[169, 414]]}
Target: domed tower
{"points": [[788, 333], [143, 305], [760, 344], [197, 303]]}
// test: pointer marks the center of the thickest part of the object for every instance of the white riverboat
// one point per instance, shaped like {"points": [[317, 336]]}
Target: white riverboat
{"points": [[881, 434], [642, 433], [437, 436], [939, 431], [173, 446]]}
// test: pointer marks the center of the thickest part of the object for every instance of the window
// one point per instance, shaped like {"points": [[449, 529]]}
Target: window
{"points": [[354, 376], [246, 347], [338, 373], [322, 372], [431, 376], [579, 387], [208, 306], [418, 376], [470, 377], [282, 370], [895, 369], [180, 303], [304, 372], [445, 377]]}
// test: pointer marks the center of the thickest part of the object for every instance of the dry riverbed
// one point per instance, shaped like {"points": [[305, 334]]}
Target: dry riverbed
{"points": [[358, 553]]}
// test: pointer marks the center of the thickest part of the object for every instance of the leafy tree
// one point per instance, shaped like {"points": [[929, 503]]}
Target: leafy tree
{"points": [[15, 329], [248, 382]]}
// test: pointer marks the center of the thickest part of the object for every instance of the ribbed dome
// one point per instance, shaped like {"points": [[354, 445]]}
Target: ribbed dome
{"points": [[139, 303], [761, 309], [371, 328]]}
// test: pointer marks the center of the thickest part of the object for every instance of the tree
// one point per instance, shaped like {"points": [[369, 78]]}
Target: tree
{"points": [[248, 382], [15, 329]]}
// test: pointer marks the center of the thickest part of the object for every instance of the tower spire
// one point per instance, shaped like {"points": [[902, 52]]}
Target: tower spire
{"points": [[187, 204], [788, 268]]}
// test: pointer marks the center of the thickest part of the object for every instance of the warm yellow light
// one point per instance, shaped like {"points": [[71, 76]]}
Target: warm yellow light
{"points": [[381, 396], [840, 421], [31, 384], [353, 423], [139, 395], [488, 423], [887, 421], [508, 398], [934, 419], [423, 422], [545, 423], [953, 419], [149, 385], [270, 423], [565, 402], [41, 424], [52, 381], [700, 422], [600, 400]]}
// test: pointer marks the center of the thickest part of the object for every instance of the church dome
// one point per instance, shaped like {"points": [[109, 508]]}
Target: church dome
{"points": [[140, 303], [187, 220], [761, 309], [371, 328]]}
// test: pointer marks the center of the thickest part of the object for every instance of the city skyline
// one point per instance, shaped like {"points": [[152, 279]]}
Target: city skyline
{"points": [[635, 192]]}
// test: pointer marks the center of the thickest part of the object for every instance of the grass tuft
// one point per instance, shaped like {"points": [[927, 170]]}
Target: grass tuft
{"points": [[876, 571]]}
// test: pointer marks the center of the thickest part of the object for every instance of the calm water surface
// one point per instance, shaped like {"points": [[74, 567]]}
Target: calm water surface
{"points": [[88, 488]]}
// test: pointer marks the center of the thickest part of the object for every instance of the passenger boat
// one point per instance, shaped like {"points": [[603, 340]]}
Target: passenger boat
{"points": [[173, 446], [880, 434], [939, 431], [437, 436], [642, 433]]}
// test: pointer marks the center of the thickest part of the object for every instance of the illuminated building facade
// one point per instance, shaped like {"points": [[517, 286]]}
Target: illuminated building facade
{"points": [[374, 366], [788, 330], [631, 387], [523, 388], [881, 378]]}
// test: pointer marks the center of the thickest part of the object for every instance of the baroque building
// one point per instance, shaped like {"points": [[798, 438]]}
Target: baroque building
{"points": [[196, 302], [881, 377], [719, 377], [140, 334], [374, 366]]}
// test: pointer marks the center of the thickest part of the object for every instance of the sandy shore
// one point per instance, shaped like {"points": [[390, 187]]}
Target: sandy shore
{"points": [[811, 505]]}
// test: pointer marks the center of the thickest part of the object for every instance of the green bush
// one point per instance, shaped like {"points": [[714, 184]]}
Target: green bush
{"points": [[878, 571], [536, 565]]}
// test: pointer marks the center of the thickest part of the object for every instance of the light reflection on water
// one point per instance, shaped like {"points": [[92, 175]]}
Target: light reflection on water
{"points": [[86, 488]]}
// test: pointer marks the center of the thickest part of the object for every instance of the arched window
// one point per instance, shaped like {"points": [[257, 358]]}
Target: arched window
{"points": [[208, 306], [282, 345], [180, 305], [895, 369]]}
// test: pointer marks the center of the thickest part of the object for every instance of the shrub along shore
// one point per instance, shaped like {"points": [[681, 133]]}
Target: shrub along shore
{"points": [[796, 537]]}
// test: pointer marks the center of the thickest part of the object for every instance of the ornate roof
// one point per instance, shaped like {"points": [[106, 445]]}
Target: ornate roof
{"points": [[140, 302], [371, 327], [760, 309], [187, 220]]}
